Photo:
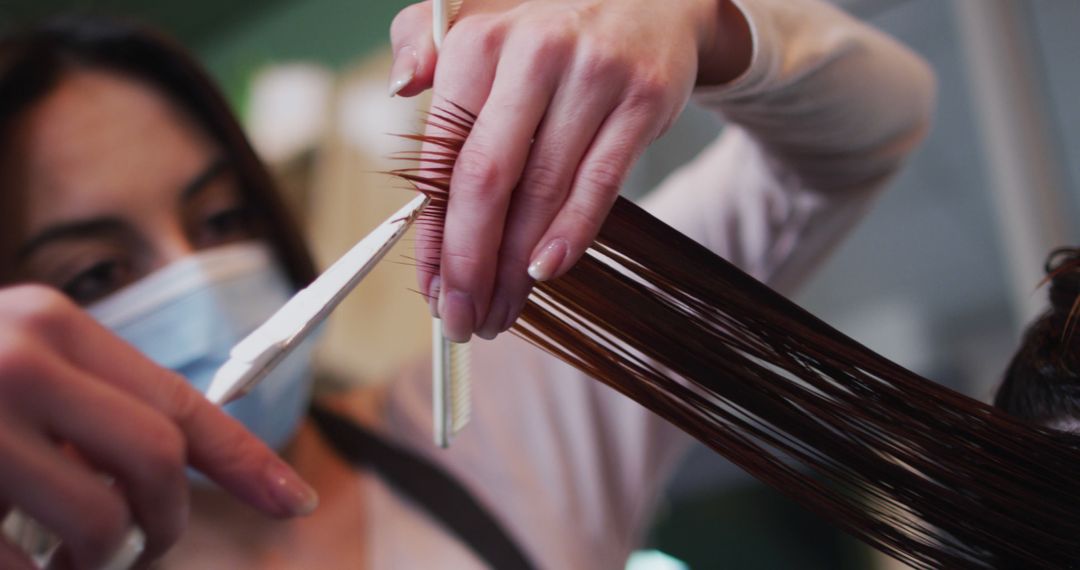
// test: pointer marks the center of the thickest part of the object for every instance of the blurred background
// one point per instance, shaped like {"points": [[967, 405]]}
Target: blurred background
{"points": [[939, 277]]}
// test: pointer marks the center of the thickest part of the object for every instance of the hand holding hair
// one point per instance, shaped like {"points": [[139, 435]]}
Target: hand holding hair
{"points": [[567, 94], [66, 380]]}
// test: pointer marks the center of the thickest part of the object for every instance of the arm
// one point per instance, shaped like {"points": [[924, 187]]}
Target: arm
{"points": [[821, 120], [574, 468]]}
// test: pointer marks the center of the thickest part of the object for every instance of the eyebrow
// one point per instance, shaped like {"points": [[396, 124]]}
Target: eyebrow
{"points": [[201, 180], [93, 227], [111, 226]]}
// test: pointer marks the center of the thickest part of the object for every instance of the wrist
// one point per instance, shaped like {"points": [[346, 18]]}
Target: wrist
{"points": [[726, 44]]}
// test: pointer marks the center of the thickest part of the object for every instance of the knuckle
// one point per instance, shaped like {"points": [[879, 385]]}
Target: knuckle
{"points": [[16, 355], [602, 58], [585, 220], [543, 181], [36, 308], [602, 178], [598, 66], [481, 35], [21, 367], [462, 263], [647, 91], [177, 396], [551, 44], [164, 457], [475, 173]]}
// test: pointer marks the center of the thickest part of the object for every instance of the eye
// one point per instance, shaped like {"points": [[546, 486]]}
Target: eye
{"points": [[97, 281], [224, 226]]}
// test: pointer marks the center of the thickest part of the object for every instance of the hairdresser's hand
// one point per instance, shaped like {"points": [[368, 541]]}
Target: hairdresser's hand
{"points": [[77, 402], [568, 93]]}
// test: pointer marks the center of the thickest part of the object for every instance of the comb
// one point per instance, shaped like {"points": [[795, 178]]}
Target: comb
{"points": [[450, 362]]}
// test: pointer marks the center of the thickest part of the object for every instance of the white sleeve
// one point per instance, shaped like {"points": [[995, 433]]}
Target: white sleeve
{"points": [[823, 117], [820, 122]]}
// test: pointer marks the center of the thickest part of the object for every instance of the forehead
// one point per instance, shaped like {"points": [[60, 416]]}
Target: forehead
{"points": [[102, 143]]}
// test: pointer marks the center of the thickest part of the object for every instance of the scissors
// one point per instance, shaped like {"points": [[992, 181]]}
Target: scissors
{"points": [[257, 355]]}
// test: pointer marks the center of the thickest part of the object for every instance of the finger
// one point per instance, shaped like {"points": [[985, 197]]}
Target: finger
{"points": [[462, 86], [218, 445], [621, 141], [485, 174], [14, 558], [122, 437], [569, 127], [88, 515], [413, 69]]}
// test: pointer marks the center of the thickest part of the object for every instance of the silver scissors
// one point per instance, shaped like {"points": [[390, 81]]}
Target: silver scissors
{"points": [[255, 356]]}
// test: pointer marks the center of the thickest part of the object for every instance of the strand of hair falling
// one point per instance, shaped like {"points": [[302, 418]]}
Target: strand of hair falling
{"points": [[921, 472]]}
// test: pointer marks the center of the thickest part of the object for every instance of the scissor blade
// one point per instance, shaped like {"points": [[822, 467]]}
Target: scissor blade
{"points": [[347, 272], [255, 356]]}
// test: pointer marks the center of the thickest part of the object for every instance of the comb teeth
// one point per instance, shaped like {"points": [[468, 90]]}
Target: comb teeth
{"points": [[460, 386], [452, 387], [450, 380]]}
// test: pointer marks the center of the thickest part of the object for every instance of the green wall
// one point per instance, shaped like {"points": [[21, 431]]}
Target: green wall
{"points": [[235, 38], [334, 32]]}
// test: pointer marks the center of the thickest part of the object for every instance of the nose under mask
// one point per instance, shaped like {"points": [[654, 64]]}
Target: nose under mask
{"points": [[187, 316]]}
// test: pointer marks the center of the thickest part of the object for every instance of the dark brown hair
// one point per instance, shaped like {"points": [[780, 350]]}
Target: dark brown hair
{"points": [[1042, 382], [34, 61], [928, 475]]}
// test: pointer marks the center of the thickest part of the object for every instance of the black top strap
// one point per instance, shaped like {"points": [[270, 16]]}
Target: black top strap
{"points": [[428, 485]]}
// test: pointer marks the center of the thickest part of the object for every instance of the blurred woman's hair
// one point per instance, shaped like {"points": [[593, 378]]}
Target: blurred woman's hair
{"points": [[35, 60], [1042, 382]]}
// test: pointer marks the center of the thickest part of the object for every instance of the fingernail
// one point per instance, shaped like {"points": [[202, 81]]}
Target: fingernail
{"points": [[404, 69], [433, 296], [292, 494], [457, 314], [547, 262]]}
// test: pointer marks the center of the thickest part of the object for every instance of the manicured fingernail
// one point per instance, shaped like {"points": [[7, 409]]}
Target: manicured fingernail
{"points": [[457, 314], [547, 262], [292, 494], [404, 69], [433, 296]]}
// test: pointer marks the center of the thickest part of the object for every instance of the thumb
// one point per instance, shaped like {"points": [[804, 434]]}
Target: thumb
{"points": [[414, 51]]}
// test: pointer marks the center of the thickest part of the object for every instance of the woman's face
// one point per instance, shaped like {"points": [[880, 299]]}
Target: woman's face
{"points": [[108, 181]]}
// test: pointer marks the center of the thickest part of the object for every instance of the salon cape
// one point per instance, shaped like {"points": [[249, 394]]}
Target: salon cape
{"points": [[825, 115]]}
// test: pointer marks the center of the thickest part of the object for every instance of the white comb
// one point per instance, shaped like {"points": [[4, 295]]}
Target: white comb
{"points": [[450, 367], [443, 14], [451, 385]]}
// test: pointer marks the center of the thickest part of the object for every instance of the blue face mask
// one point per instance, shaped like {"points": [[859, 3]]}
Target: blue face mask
{"points": [[187, 316]]}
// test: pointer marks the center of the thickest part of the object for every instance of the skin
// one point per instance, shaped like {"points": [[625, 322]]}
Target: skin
{"points": [[592, 82], [544, 163], [107, 172]]}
